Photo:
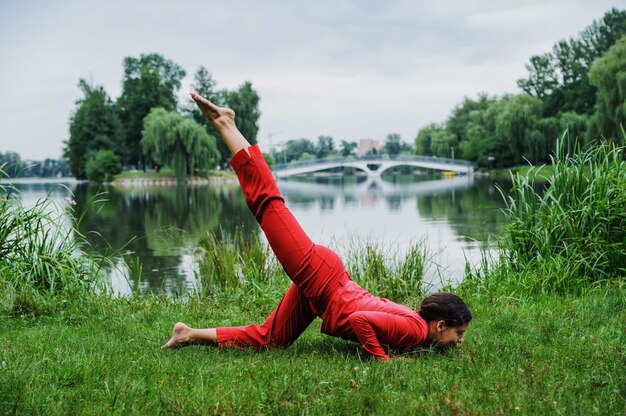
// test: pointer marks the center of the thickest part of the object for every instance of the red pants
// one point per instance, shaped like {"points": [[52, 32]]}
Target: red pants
{"points": [[316, 271]]}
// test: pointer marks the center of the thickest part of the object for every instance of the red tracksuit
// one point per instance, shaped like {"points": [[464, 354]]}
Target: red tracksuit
{"points": [[321, 285]]}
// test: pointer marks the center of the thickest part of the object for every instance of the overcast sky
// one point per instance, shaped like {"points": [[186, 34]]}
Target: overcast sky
{"points": [[348, 69]]}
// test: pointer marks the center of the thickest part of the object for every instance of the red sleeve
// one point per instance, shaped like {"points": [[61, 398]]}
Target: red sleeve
{"points": [[372, 328]]}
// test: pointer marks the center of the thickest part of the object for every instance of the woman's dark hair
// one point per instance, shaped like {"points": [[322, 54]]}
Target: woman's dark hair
{"points": [[447, 307]]}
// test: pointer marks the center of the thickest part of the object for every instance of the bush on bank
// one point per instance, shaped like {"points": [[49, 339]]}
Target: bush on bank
{"points": [[568, 237], [42, 262]]}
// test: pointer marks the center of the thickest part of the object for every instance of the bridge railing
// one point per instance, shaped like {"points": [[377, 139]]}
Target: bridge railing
{"points": [[372, 158]]}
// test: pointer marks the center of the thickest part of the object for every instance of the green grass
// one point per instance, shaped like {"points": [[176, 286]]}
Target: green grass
{"points": [[138, 174], [541, 173], [164, 174], [547, 337], [548, 355]]}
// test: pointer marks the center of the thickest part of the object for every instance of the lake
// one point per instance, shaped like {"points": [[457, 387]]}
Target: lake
{"points": [[160, 226]]}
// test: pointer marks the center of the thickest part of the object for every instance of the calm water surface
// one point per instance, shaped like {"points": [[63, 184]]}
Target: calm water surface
{"points": [[161, 226]]}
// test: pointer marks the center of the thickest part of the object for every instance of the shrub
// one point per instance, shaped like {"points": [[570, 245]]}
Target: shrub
{"points": [[269, 160], [574, 233], [102, 166], [41, 261], [384, 273], [234, 261]]}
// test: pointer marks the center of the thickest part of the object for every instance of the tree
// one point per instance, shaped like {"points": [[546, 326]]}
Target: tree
{"points": [[459, 120], [102, 166], [269, 159], [204, 84], [295, 149], [608, 75], [394, 145], [150, 81], [324, 146], [560, 77], [442, 141], [348, 148], [542, 79], [423, 140], [576, 125], [517, 129], [10, 164], [94, 126], [482, 145], [245, 102], [171, 139], [306, 156]]}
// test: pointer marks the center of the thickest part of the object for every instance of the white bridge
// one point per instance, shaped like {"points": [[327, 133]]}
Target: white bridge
{"points": [[376, 186], [373, 165]]}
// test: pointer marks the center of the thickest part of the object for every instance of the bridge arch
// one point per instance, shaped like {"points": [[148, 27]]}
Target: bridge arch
{"points": [[373, 166]]}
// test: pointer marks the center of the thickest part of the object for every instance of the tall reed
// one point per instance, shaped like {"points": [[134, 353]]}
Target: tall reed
{"points": [[574, 232], [41, 256], [385, 273], [229, 262]]}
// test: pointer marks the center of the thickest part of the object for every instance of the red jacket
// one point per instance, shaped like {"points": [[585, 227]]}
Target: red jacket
{"points": [[377, 323]]}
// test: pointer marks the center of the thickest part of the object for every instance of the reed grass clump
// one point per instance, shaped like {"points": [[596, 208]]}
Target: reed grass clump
{"points": [[236, 261], [387, 274], [41, 261], [572, 234], [230, 261]]}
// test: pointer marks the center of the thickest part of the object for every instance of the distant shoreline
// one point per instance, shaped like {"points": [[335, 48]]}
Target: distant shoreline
{"points": [[149, 182], [37, 180], [142, 179], [150, 179]]}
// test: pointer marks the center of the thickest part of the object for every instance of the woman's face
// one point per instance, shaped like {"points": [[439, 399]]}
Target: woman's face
{"points": [[449, 336]]}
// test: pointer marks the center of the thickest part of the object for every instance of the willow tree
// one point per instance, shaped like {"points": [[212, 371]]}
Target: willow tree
{"points": [[608, 74], [171, 139], [517, 126]]}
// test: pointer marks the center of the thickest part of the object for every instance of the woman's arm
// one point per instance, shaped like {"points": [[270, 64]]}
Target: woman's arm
{"points": [[376, 328]]}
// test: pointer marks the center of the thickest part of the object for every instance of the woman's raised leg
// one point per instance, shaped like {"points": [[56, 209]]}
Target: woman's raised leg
{"points": [[315, 269], [223, 119]]}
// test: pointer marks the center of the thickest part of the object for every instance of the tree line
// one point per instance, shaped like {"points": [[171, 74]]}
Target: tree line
{"points": [[305, 149], [12, 165], [146, 126], [578, 86]]}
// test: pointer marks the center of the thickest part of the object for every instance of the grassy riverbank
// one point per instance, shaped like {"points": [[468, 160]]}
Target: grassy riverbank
{"points": [[542, 172], [546, 355], [167, 176], [548, 335]]}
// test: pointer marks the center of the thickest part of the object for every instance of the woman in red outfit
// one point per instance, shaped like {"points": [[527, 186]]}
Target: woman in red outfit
{"points": [[321, 286]]}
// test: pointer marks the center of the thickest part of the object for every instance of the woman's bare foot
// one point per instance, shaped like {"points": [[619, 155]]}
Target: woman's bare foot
{"points": [[219, 117], [223, 119], [180, 336]]}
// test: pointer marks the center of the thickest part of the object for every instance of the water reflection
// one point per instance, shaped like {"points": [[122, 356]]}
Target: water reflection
{"points": [[455, 216], [467, 204], [161, 226]]}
